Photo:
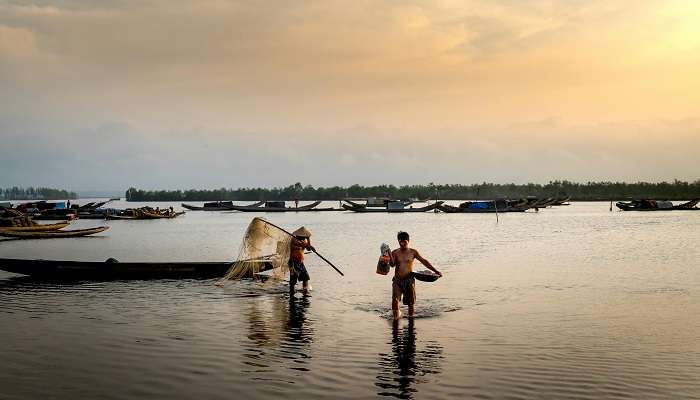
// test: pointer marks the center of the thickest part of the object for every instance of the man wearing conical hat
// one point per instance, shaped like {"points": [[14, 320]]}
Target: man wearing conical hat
{"points": [[297, 269]]}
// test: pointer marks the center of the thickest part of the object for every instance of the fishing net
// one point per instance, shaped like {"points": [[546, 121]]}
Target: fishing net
{"points": [[264, 247]]}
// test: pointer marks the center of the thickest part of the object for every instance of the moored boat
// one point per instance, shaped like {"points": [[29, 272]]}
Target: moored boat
{"points": [[145, 213], [656, 205], [53, 234], [279, 206], [389, 209], [491, 206], [35, 228], [218, 206]]}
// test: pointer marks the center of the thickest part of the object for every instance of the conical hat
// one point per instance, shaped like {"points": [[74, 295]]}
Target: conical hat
{"points": [[303, 232]]}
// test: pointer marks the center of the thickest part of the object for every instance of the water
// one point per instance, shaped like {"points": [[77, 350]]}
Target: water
{"points": [[571, 302]]}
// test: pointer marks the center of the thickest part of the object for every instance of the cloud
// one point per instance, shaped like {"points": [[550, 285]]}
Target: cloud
{"points": [[368, 91]]}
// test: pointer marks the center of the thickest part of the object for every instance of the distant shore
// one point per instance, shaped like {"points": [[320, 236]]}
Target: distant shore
{"points": [[590, 191]]}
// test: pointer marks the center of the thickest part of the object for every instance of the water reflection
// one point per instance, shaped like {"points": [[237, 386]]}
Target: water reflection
{"points": [[406, 365], [280, 330]]}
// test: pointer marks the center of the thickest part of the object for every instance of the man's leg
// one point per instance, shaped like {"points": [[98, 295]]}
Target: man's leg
{"points": [[292, 283], [305, 284], [410, 297], [395, 298]]}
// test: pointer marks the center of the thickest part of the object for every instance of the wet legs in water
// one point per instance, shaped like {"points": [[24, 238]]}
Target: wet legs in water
{"points": [[293, 282]]}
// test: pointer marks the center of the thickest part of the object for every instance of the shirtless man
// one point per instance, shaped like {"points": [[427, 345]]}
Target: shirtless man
{"points": [[297, 269], [403, 283]]}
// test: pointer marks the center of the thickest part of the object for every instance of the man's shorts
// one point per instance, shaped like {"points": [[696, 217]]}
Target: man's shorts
{"points": [[297, 272], [405, 287]]}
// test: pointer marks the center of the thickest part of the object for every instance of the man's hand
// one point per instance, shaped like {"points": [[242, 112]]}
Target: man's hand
{"points": [[312, 248]]}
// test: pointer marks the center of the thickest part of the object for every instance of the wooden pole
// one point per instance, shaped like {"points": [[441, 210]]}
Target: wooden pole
{"points": [[288, 233], [495, 206]]}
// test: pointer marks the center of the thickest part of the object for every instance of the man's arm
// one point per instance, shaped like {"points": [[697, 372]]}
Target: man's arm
{"points": [[425, 262], [308, 245], [391, 258]]}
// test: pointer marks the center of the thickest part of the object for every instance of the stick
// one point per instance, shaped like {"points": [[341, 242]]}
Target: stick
{"points": [[495, 206], [322, 257]]}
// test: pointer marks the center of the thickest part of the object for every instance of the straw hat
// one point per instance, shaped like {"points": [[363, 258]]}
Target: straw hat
{"points": [[302, 232]]}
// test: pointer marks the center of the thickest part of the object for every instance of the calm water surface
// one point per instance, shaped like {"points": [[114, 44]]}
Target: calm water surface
{"points": [[573, 302]]}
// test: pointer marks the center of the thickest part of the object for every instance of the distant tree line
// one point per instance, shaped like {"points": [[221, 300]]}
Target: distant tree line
{"points": [[39, 193], [676, 190]]}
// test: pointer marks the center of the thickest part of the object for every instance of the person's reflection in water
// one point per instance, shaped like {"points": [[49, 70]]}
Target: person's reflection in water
{"points": [[406, 366], [296, 331], [279, 330]]}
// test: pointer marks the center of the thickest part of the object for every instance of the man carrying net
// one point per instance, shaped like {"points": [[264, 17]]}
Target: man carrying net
{"points": [[297, 269], [266, 246]]}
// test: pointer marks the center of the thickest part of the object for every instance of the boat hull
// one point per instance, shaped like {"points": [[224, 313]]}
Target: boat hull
{"points": [[463, 210], [35, 228], [87, 270], [54, 234], [363, 209], [308, 207]]}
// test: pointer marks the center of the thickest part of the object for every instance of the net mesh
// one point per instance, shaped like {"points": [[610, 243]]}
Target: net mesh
{"points": [[264, 247]]}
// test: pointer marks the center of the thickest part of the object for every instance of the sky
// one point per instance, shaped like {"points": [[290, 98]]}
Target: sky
{"points": [[170, 94]]}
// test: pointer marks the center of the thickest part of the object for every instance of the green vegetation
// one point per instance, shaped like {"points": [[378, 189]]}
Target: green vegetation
{"points": [[31, 193], [676, 190]]}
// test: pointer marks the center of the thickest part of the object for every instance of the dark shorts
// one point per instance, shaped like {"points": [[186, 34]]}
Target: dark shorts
{"points": [[406, 288], [297, 272]]}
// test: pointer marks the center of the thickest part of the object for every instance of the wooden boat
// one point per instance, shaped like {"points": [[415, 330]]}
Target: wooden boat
{"points": [[500, 206], [53, 234], [278, 206], [655, 205], [382, 202], [561, 202], [218, 206], [363, 209], [144, 213], [35, 228], [113, 269]]}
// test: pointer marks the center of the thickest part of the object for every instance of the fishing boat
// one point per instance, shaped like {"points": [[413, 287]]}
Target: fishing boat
{"points": [[144, 213], [53, 234], [656, 205], [382, 202], [491, 206], [35, 227], [218, 206], [279, 206], [562, 202], [391, 208], [113, 269]]}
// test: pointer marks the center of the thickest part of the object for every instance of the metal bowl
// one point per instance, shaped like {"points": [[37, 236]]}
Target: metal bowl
{"points": [[426, 276]]}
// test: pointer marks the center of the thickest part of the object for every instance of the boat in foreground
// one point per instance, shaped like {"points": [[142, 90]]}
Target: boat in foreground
{"points": [[113, 269]]}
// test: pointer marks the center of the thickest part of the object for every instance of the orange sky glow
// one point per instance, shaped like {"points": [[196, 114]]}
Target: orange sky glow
{"points": [[504, 91]]}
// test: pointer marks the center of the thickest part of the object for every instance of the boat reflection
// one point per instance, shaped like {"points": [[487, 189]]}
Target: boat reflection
{"points": [[407, 364], [280, 331]]}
